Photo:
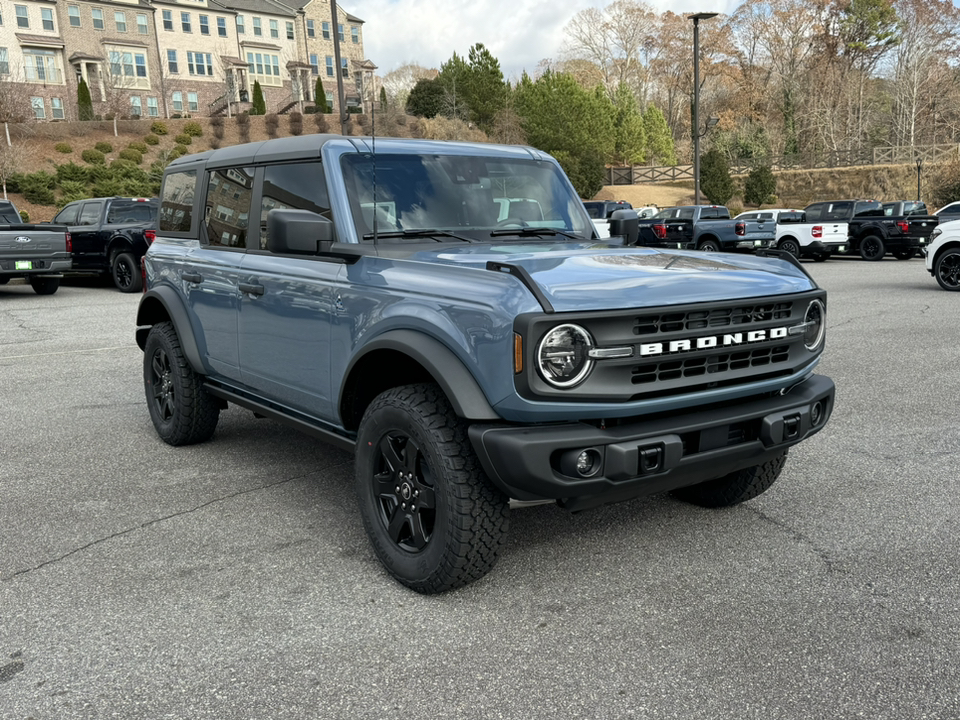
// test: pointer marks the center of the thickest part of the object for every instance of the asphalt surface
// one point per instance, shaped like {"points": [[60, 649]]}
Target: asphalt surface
{"points": [[233, 579]]}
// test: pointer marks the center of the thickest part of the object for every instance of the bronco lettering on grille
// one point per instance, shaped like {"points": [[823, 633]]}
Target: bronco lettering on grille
{"points": [[711, 341]]}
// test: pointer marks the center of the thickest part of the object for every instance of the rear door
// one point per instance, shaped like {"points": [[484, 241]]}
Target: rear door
{"points": [[88, 251]]}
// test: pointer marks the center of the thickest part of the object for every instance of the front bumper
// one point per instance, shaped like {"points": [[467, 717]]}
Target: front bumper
{"points": [[538, 462]]}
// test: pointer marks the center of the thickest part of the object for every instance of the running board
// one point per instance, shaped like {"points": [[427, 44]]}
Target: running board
{"points": [[299, 423]]}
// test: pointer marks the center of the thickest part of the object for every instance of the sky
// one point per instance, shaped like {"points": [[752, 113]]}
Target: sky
{"points": [[519, 33]]}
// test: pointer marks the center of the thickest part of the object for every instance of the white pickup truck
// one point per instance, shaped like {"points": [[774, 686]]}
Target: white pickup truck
{"points": [[802, 239]]}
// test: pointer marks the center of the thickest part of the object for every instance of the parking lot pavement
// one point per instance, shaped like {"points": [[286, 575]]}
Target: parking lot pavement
{"points": [[233, 579]]}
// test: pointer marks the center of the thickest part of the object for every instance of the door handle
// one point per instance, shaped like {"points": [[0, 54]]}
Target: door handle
{"points": [[251, 288], [192, 277]]}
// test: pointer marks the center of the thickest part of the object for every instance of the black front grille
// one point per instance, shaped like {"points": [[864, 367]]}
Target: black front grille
{"points": [[711, 318], [697, 366]]}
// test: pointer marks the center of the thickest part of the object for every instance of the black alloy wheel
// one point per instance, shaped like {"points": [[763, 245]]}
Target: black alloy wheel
{"points": [[403, 486], [947, 269], [791, 246], [871, 248], [709, 246], [125, 273]]}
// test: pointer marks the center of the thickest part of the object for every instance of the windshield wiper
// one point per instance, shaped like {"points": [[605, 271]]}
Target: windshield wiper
{"points": [[418, 233], [534, 231]]}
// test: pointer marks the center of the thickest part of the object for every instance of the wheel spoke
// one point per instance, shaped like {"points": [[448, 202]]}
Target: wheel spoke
{"points": [[418, 535], [158, 366], [384, 484], [427, 499], [389, 453], [398, 521]]}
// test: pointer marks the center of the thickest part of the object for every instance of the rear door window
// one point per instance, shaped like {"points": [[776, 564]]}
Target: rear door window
{"points": [[90, 213], [176, 201], [68, 216], [227, 206]]}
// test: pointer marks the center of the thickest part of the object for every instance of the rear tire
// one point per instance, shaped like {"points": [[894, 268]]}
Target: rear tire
{"points": [[182, 411], [791, 246], [871, 248], [904, 254], [735, 488], [125, 273], [44, 285], [434, 519], [709, 246], [820, 257]]}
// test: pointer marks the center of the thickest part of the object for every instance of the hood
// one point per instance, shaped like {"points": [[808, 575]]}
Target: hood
{"points": [[582, 277]]}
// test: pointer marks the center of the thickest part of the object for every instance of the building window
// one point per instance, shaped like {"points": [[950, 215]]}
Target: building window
{"points": [[23, 22], [314, 65], [97, 14], [289, 31], [222, 27], [142, 24], [141, 63], [204, 25], [128, 69], [74, 12], [257, 29], [178, 101], [193, 102], [311, 31], [172, 65], [4, 62], [38, 110], [274, 29], [121, 20], [41, 66], [355, 34], [136, 109], [56, 105], [153, 108], [265, 67], [343, 68], [325, 29], [185, 22], [200, 64], [46, 17], [240, 30], [340, 32], [329, 66], [168, 20]]}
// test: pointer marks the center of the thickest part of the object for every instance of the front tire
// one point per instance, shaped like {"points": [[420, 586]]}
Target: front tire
{"points": [[871, 248], [946, 269], [125, 273], [709, 246], [45, 285], [735, 488], [791, 246], [434, 519], [182, 411]]}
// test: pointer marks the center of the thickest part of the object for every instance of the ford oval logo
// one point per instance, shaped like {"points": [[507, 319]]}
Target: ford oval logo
{"points": [[22, 239]]}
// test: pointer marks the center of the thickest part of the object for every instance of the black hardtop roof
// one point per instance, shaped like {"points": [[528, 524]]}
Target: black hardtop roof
{"points": [[308, 146]]}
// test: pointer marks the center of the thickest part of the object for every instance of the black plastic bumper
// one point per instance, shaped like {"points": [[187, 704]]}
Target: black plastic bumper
{"points": [[649, 456]]}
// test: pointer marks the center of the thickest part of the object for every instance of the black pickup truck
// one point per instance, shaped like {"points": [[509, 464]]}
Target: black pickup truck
{"points": [[878, 228], [705, 227], [110, 235]]}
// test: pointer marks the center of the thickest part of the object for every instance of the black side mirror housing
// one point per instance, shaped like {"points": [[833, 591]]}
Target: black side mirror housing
{"points": [[626, 224], [298, 232]]}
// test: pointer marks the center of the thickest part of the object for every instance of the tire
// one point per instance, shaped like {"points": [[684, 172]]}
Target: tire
{"points": [[44, 285], [821, 257], [904, 254], [735, 488], [709, 246], [871, 248], [946, 269], [434, 519], [126, 273], [182, 412], [4, 280], [791, 246]]}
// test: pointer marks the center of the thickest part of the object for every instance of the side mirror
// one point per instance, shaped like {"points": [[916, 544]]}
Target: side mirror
{"points": [[626, 224], [298, 232]]}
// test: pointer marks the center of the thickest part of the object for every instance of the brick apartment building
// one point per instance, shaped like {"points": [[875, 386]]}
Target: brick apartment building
{"points": [[168, 58]]}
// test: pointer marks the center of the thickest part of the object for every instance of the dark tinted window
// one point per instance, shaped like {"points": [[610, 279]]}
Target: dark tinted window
{"points": [[953, 209], [176, 201], [868, 209], [68, 216], [839, 211], [685, 213], [227, 206], [130, 212], [300, 186], [814, 213], [90, 213], [594, 210]]}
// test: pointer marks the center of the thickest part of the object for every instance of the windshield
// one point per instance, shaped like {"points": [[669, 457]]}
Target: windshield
{"points": [[470, 196]]}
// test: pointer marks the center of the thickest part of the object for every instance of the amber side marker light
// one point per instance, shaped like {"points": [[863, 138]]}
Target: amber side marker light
{"points": [[517, 354]]}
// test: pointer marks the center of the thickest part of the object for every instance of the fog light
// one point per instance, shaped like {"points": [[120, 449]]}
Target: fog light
{"points": [[585, 463], [816, 413]]}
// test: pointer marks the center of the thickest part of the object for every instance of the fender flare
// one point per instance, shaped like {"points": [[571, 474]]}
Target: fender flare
{"points": [[452, 376], [149, 313]]}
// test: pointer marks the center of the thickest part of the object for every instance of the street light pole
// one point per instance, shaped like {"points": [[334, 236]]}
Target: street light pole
{"points": [[697, 17]]}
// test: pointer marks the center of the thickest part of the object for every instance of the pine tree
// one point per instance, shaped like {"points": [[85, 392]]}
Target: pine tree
{"points": [[631, 137], [660, 148], [84, 101], [715, 181], [320, 97], [259, 105], [383, 98], [760, 186]]}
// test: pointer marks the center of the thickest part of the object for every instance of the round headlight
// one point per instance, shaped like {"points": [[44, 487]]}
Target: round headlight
{"points": [[563, 355], [816, 325]]}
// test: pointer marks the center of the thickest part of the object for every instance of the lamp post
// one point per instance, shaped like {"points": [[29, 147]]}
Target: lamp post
{"points": [[697, 17]]}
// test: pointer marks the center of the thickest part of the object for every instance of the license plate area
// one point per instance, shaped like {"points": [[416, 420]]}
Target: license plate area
{"points": [[23, 265]]}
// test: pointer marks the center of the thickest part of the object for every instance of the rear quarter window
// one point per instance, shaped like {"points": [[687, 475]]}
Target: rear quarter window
{"points": [[176, 201]]}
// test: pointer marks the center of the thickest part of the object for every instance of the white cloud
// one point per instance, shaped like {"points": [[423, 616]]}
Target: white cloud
{"points": [[520, 33]]}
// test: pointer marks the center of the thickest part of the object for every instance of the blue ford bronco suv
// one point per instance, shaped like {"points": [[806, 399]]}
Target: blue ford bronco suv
{"points": [[446, 312]]}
